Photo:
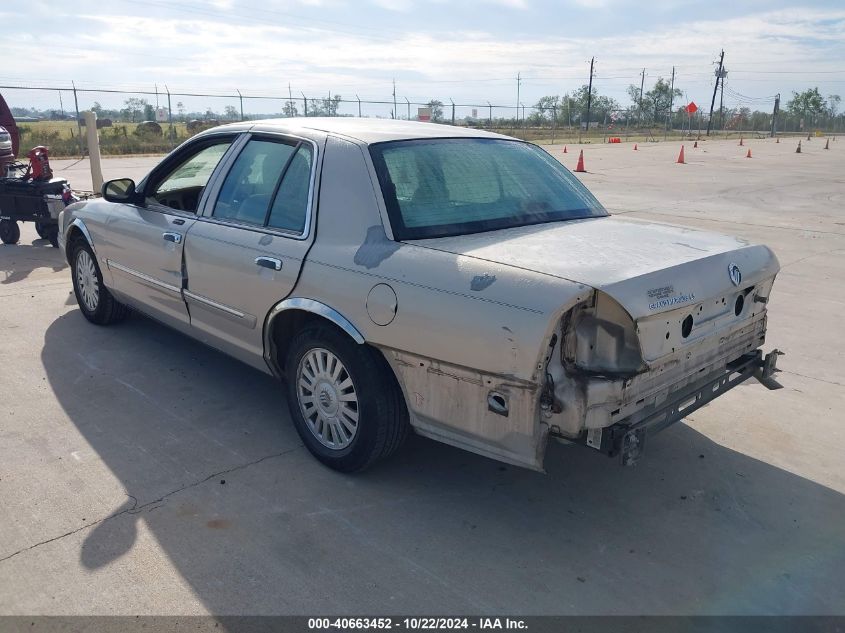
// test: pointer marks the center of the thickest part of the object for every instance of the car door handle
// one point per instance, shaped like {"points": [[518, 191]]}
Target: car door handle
{"points": [[269, 262], [176, 238]]}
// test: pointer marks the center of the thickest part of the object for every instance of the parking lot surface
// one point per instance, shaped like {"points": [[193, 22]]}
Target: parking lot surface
{"points": [[143, 473]]}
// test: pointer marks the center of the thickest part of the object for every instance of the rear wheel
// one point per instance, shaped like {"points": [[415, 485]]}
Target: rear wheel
{"points": [[10, 232], [95, 301], [344, 400]]}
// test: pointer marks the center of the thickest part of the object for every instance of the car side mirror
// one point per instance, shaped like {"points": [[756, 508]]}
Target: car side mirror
{"points": [[120, 190]]}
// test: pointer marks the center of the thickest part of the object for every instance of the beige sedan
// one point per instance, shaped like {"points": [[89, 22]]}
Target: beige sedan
{"points": [[400, 275]]}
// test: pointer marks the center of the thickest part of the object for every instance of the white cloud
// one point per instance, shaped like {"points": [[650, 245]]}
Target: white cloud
{"points": [[216, 54]]}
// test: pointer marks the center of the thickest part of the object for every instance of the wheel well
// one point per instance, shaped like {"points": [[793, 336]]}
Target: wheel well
{"points": [[74, 233], [282, 329]]}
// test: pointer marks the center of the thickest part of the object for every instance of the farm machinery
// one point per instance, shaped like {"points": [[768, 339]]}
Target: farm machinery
{"points": [[29, 193]]}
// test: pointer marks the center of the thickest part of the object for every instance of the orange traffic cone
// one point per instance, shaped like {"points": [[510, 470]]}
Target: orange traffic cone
{"points": [[635, 147], [681, 156], [695, 145], [580, 166], [798, 149], [740, 142], [827, 144], [564, 149], [748, 155]]}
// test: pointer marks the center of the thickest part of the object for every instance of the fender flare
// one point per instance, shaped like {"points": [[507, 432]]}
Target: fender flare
{"points": [[79, 224], [305, 305]]}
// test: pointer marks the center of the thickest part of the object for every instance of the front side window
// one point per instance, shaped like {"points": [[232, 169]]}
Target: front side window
{"points": [[181, 188], [267, 185], [440, 187]]}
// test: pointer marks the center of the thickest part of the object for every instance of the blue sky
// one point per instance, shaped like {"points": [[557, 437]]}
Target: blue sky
{"points": [[466, 50]]}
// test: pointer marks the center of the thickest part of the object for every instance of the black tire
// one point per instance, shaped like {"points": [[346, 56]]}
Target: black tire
{"points": [[106, 309], [41, 230], [10, 232], [51, 234], [382, 423]]}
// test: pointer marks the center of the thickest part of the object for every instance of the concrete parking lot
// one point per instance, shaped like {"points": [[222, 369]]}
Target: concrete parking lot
{"points": [[143, 473]]}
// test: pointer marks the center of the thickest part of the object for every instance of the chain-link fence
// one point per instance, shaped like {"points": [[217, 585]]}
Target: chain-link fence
{"points": [[155, 121]]}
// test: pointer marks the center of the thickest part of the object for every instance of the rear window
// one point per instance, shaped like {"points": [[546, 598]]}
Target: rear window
{"points": [[441, 187]]}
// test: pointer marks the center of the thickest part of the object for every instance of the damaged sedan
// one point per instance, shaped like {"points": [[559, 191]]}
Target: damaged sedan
{"points": [[402, 276]]}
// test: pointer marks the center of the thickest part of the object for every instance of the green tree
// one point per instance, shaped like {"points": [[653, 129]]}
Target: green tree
{"points": [[436, 110], [807, 103], [833, 102], [134, 106], [655, 102], [290, 109], [546, 107], [601, 106]]}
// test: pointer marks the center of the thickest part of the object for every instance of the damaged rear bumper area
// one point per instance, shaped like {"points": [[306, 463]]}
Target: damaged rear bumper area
{"points": [[627, 438]]}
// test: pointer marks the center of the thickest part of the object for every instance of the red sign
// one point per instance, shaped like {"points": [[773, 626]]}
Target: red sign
{"points": [[691, 108]]}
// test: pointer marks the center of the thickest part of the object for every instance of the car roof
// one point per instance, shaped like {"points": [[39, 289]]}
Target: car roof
{"points": [[364, 130]]}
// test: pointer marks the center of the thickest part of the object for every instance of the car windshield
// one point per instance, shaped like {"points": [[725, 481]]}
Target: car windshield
{"points": [[441, 187]]}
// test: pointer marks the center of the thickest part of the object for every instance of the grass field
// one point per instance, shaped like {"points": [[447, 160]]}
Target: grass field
{"points": [[62, 137]]}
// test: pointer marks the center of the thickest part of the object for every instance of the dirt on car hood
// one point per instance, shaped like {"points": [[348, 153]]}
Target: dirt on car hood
{"points": [[647, 267]]}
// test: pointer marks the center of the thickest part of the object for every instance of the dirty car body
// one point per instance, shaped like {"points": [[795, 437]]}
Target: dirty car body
{"points": [[466, 280]]}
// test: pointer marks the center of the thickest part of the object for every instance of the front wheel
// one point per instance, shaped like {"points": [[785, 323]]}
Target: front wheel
{"points": [[344, 400], [10, 232], [95, 301]]}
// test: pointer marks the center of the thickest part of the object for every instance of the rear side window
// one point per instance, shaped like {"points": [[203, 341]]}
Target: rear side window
{"points": [[290, 206], [268, 185]]}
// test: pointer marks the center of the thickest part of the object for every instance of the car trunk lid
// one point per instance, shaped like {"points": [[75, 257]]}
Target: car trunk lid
{"points": [[648, 268]]}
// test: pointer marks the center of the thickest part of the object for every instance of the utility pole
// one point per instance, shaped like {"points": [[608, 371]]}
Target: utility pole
{"points": [[518, 81], [589, 98], [775, 114], [723, 75], [169, 117], [78, 122], [290, 101], [715, 87], [642, 87], [671, 104], [394, 99]]}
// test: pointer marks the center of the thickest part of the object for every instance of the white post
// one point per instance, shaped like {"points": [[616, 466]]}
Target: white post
{"points": [[94, 150]]}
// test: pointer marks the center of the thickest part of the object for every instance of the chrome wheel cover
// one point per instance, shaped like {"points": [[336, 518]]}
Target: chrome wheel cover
{"points": [[327, 398], [86, 281]]}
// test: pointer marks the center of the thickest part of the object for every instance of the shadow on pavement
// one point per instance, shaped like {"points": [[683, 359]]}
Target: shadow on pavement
{"points": [[212, 465], [18, 261]]}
